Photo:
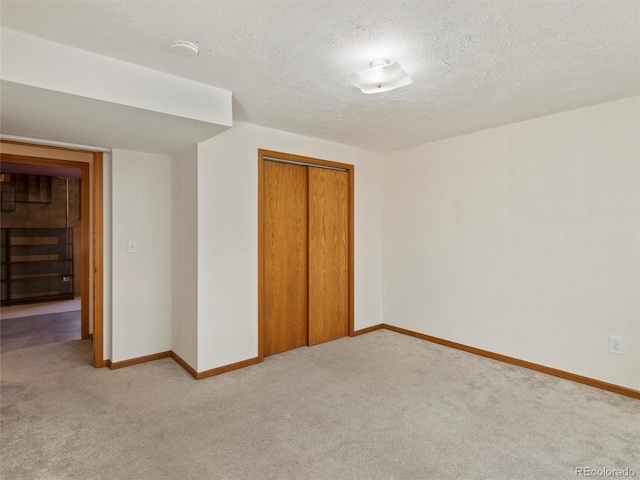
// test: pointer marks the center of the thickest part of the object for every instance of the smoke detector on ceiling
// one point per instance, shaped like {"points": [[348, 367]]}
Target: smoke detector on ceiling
{"points": [[185, 49]]}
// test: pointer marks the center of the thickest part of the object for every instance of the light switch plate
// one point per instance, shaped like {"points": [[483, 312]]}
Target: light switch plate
{"points": [[132, 246]]}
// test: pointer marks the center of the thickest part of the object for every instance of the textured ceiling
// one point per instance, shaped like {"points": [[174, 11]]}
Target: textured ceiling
{"points": [[476, 64]]}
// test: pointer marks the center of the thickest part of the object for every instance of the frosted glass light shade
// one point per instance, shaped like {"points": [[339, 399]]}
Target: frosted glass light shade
{"points": [[381, 78]]}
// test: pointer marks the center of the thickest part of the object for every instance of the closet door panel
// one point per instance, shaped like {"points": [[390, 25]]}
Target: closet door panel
{"points": [[285, 238], [328, 254]]}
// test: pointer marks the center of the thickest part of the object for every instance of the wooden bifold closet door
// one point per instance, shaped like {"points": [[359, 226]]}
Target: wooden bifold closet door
{"points": [[285, 237], [306, 256], [328, 255]]}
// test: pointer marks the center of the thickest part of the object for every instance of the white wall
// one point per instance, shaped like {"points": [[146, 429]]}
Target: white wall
{"points": [[228, 236], [185, 256], [141, 282], [522, 240]]}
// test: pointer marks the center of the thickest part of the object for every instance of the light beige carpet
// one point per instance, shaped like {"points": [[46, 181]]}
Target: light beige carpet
{"points": [[378, 406]]}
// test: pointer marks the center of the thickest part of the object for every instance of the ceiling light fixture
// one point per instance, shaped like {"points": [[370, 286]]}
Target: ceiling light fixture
{"points": [[382, 77], [184, 49]]}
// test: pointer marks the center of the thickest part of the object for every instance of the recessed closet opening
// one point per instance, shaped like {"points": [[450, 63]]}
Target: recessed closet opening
{"points": [[305, 257]]}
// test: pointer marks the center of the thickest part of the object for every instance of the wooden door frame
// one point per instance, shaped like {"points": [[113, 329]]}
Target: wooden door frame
{"points": [[350, 170], [91, 191]]}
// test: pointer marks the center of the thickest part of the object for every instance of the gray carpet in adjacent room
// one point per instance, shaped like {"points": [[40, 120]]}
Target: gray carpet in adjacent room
{"points": [[35, 330], [378, 406]]}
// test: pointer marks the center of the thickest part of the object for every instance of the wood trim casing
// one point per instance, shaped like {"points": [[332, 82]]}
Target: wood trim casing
{"points": [[610, 387], [48, 147], [362, 331], [180, 361], [139, 360], [98, 261], [352, 253], [227, 368], [261, 256], [350, 170]]}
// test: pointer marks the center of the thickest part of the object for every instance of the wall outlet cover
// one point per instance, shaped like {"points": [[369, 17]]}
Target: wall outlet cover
{"points": [[616, 345]]}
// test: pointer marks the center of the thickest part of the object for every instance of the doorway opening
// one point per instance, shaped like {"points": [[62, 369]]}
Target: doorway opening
{"points": [[47, 261]]}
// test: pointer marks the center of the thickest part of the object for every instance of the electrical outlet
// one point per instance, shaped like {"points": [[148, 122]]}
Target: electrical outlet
{"points": [[616, 345]]}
